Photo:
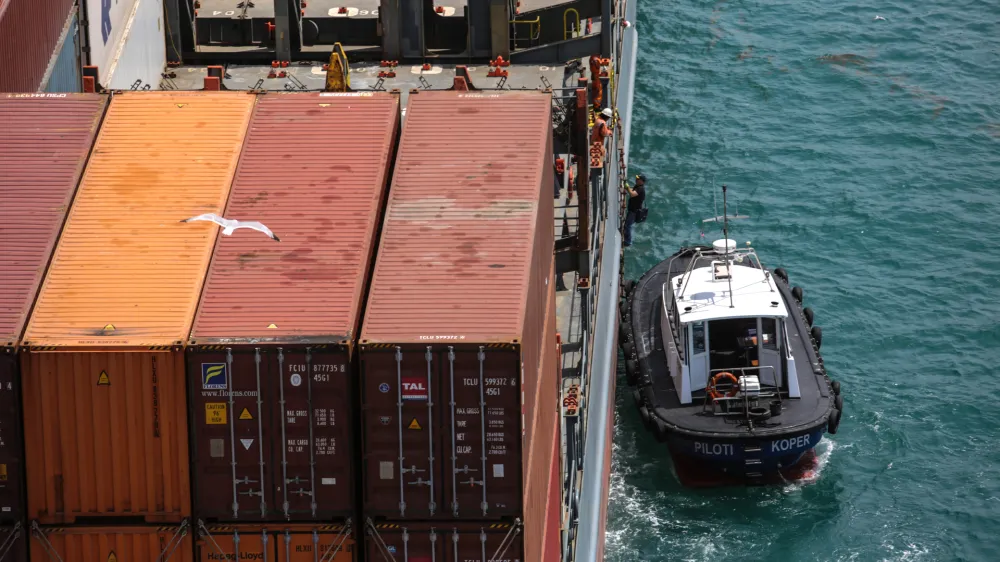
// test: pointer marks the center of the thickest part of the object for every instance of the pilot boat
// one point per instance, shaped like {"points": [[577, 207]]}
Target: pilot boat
{"points": [[726, 367]]}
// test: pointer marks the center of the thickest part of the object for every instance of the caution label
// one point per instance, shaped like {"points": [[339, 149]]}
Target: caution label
{"points": [[103, 380], [112, 557], [215, 413], [245, 414], [414, 424]]}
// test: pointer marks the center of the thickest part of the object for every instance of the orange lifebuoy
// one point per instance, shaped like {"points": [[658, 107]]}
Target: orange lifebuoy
{"points": [[713, 393]]}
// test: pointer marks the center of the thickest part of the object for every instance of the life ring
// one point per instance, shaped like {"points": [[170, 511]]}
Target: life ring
{"points": [[713, 393]]}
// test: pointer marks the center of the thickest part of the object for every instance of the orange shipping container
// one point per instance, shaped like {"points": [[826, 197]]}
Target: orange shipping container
{"points": [[107, 544], [279, 543], [103, 383]]}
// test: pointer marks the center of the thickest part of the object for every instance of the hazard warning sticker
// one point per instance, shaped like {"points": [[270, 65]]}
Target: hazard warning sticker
{"points": [[246, 415], [112, 557], [103, 380], [414, 388], [215, 413], [414, 424]]}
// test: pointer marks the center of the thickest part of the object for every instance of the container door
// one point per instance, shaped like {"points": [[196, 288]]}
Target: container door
{"points": [[767, 351], [490, 543], [231, 423], [483, 427], [402, 452], [313, 395], [11, 507], [402, 544], [699, 355]]}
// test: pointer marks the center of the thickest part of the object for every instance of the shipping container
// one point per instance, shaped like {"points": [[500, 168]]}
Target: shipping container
{"points": [[276, 542], [30, 32], [64, 72], [458, 345], [445, 541], [13, 542], [140, 59], [106, 31], [104, 382], [113, 544], [44, 145], [269, 359]]}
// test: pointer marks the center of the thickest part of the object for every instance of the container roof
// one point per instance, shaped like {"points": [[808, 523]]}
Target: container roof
{"points": [[314, 170], [126, 271], [457, 243], [44, 143], [754, 295]]}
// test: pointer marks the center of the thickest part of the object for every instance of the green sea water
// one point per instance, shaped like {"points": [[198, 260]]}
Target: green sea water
{"points": [[867, 153]]}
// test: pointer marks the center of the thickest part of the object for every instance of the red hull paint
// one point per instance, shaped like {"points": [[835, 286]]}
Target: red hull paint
{"points": [[694, 475]]}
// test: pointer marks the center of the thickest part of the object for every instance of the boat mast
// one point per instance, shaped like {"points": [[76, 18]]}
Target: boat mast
{"points": [[725, 236]]}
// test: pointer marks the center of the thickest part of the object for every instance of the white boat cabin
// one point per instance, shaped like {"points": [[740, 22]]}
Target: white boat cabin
{"points": [[726, 315]]}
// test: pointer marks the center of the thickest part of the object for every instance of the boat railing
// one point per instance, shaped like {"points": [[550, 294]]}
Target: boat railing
{"points": [[736, 255], [766, 392]]}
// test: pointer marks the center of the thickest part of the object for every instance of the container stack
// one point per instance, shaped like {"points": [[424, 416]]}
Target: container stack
{"points": [[270, 358], [44, 144], [102, 359], [459, 378]]}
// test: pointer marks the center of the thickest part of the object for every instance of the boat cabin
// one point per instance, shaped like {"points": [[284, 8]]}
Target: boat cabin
{"points": [[724, 314]]}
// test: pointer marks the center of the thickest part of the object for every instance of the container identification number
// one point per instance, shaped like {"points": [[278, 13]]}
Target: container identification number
{"points": [[318, 368]]}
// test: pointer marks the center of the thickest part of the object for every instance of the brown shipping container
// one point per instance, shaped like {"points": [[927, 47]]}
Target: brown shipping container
{"points": [[276, 543], [104, 385], [113, 544], [453, 340], [44, 144], [277, 320], [446, 541], [29, 33]]}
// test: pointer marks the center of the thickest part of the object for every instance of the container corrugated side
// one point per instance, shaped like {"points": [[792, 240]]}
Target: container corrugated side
{"points": [[429, 356], [272, 433], [11, 443], [127, 272], [448, 540], [113, 544], [332, 542], [314, 170], [106, 437], [459, 234], [64, 73], [44, 145], [29, 34]]}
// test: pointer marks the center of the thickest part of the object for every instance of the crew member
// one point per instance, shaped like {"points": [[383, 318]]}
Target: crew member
{"points": [[637, 196]]}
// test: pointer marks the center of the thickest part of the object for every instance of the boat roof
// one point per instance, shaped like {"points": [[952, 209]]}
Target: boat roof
{"points": [[754, 294]]}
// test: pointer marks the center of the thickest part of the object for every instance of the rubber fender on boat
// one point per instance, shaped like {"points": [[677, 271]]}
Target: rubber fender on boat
{"points": [[836, 387], [834, 422], [797, 293], [637, 398], [817, 335], [660, 429], [838, 402], [808, 313], [623, 311], [631, 371], [644, 414], [759, 413], [629, 286], [628, 349], [624, 333], [780, 273]]}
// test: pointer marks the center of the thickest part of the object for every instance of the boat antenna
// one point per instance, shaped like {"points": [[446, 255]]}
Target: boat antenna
{"points": [[725, 237]]}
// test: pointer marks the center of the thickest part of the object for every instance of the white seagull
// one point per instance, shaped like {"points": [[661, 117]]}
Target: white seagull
{"points": [[877, 18], [230, 225]]}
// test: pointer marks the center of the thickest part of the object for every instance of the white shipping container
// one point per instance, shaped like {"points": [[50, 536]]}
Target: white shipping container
{"points": [[142, 54], [107, 21]]}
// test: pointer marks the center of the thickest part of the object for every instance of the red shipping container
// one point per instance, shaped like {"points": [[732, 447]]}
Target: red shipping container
{"points": [[29, 33], [425, 542], [279, 543], [269, 361], [459, 412]]}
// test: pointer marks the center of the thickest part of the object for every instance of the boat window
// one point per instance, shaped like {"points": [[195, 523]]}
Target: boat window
{"points": [[682, 349], [699, 337], [769, 339]]}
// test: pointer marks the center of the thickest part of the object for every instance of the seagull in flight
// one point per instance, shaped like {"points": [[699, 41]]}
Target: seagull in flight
{"points": [[877, 18], [230, 225]]}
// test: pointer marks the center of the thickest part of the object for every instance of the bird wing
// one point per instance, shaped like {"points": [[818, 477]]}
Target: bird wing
{"points": [[258, 226], [210, 217]]}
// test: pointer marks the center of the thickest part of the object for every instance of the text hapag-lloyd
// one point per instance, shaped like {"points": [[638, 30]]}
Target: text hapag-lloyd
{"points": [[243, 556]]}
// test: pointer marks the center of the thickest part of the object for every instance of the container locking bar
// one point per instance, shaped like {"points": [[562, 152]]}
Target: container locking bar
{"points": [[380, 545], [454, 452], [260, 434], [284, 441], [399, 424], [232, 430], [312, 441], [431, 506], [482, 423]]}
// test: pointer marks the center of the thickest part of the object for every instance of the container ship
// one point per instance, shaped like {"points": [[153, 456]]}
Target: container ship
{"points": [[405, 350]]}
